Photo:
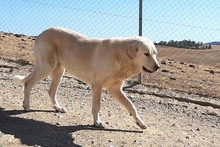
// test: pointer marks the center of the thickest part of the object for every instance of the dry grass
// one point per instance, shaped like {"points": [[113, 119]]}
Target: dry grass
{"points": [[209, 57], [171, 121], [12, 47], [192, 71]]}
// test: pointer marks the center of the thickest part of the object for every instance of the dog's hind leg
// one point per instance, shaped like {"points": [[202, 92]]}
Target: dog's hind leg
{"points": [[39, 72], [56, 74], [116, 92], [96, 96]]}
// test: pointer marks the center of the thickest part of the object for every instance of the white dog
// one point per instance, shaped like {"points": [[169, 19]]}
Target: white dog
{"points": [[99, 62]]}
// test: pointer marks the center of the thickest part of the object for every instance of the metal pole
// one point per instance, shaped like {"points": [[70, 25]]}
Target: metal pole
{"points": [[140, 32]]}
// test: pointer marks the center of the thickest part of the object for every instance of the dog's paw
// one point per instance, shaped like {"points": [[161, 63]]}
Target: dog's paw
{"points": [[26, 107], [142, 125], [60, 109], [99, 124]]}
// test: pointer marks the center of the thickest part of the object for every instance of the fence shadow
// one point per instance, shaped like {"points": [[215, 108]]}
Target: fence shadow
{"points": [[32, 132]]}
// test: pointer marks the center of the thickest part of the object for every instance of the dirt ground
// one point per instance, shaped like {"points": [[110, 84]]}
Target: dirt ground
{"points": [[180, 104]]}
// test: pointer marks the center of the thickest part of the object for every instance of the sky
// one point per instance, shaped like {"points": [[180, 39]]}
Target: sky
{"points": [[163, 20]]}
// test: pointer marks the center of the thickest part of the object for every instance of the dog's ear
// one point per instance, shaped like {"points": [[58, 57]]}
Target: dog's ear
{"points": [[131, 52]]}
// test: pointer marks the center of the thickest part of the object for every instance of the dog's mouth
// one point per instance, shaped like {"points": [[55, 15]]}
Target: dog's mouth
{"points": [[147, 70]]}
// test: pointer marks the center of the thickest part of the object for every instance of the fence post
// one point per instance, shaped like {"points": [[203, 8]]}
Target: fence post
{"points": [[140, 32]]}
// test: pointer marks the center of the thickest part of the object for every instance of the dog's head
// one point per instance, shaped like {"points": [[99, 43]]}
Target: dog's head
{"points": [[143, 52]]}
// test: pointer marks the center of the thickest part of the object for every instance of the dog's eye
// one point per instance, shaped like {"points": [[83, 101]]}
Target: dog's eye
{"points": [[147, 54]]}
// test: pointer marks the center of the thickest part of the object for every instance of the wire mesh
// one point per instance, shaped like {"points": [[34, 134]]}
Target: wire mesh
{"points": [[162, 20]]}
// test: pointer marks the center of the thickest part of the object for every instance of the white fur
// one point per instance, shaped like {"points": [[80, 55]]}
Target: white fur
{"points": [[98, 62]]}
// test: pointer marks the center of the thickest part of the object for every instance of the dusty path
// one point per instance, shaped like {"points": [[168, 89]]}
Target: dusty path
{"points": [[174, 118]]}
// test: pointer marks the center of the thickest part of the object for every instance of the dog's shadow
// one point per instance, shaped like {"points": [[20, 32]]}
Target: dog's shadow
{"points": [[32, 132]]}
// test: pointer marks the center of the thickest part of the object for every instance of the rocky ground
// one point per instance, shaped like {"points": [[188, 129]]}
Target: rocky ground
{"points": [[180, 105]]}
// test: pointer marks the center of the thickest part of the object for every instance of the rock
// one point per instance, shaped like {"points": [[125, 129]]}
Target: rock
{"points": [[160, 102], [58, 123], [212, 71], [8, 34], [197, 129], [56, 114], [184, 111], [212, 113], [32, 37], [192, 130], [109, 113], [11, 70], [170, 59], [171, 78], [174, 125], [131, 97], [163, 62], [164, 70], [19, 35], [192, 65]]}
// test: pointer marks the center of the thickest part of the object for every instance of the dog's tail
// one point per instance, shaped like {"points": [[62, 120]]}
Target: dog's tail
{"points": [[22, 79]]}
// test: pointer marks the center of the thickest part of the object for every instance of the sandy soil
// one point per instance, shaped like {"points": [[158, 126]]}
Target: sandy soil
{"points": [[180, 105]]}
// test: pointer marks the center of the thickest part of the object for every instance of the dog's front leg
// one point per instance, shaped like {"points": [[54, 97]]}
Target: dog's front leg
{"points": [[96, 96], [116, 92]]}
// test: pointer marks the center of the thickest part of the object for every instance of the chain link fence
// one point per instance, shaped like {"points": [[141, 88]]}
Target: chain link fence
{"points": [[178, 20], [162, 20], [93, 18]]}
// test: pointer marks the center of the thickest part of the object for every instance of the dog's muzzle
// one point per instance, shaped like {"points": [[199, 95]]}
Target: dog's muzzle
{"points": [[156, 68]]}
